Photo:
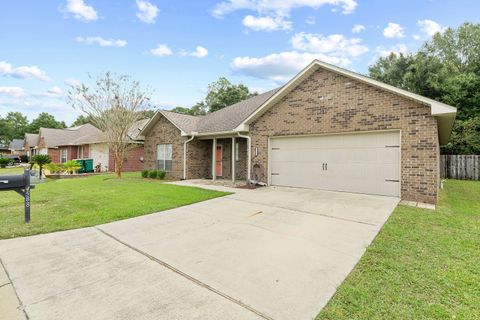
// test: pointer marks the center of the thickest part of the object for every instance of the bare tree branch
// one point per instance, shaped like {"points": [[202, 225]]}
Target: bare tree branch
{"points": [[115, 103]]}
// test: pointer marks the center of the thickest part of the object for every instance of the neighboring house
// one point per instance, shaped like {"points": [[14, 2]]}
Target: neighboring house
{"points": [[327, 128], [4, 149], [16, 147], [85, 142], [30, 144]]}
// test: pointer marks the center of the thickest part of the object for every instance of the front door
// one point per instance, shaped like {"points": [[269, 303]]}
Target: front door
{"points": [[218, 158]]}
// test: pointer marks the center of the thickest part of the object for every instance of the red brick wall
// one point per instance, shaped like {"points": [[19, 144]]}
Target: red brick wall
{"points": [[54, 155], [131, 162]]}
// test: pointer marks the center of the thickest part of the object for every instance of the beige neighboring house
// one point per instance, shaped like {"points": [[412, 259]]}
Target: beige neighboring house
{"points": [[84, 142], [30, 144], [327, 128]]}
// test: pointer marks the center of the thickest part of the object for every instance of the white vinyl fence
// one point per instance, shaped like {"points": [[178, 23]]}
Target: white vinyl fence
{"points": [[464, 167]]}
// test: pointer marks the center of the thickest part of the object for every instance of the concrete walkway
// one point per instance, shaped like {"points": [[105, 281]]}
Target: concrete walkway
{"points": [[270, 253]]}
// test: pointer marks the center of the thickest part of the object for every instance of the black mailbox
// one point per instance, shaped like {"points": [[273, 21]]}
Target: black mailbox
{"points": [[20, 184], [12, 182]]}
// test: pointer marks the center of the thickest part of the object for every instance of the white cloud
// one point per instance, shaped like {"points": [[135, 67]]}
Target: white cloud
{"points": [[102, 42], [15, 92], [382, 52], [334, 44], [358, 28], [266, 23], [281, 66], [54, 92], [430, 27], [147, 12], [200, 52], [278, 7], [393, 30], [161, 50], [80, 10], [310, 20], [416, 37], [23, 72], [72, 81]]}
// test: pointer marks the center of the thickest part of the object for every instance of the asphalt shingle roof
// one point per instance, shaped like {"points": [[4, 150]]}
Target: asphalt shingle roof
{"points": [[31, 139], [16, 144], [226, 119]]}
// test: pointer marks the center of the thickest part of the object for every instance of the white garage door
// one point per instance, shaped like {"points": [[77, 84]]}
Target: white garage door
{"points": [[359, 162], [100, 155]]}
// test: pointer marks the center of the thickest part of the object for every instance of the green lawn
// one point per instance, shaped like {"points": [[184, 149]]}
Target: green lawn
{"points": [[15, 170], [75, 203], [422, 265]]}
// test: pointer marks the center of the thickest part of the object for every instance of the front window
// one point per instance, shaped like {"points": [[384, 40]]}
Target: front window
{"points": [[63, 155], [164, 157], [80, 152]]}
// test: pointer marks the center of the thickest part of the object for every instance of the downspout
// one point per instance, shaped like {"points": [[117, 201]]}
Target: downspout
{"points": [[249, 157], [185, 156]]}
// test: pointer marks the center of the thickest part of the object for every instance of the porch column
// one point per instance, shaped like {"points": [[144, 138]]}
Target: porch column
{"points": [[233, 159], [214, 159]]}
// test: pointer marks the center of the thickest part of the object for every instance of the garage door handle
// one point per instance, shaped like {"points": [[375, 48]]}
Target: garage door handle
{"points": [[326, 166]]}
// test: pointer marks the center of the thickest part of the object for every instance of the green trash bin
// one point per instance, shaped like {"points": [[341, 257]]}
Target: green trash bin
{"points": [[89, 165], [81, 162]]}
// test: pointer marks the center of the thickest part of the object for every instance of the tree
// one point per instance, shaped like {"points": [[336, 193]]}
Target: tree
{"points": [[115, 103], [223, 93], [199, 109], [447, 69], [149, 113], [465, 138], [13, 126], [82, 119], [45, 120]]}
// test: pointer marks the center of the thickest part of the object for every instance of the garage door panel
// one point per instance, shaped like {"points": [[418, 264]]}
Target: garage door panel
{"points": [[359, 162]]}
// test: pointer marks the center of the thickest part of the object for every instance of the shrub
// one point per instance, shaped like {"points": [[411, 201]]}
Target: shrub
{"points": [[71, 166], [5, 162], [54, 167], [161, 174], [153, 174], [41, 160], [144, 173]]}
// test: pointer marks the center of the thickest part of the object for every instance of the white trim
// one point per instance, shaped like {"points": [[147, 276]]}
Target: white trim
{"points": [[437, 108], [154, 119]]}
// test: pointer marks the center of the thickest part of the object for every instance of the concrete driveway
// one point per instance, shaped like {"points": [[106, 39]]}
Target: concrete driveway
{"points": [[271, 253]]}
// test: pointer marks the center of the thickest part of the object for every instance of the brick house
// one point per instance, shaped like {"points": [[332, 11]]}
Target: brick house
{"points": [[85, 142], [327, 128]]}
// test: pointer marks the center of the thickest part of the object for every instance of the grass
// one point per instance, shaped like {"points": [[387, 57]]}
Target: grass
{"points": [[14, 170], [423, 264], [75, 203]]}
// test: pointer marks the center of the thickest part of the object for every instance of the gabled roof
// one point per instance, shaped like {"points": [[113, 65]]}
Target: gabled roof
{"points": [[83, 134], [223, 120], [16, 144], [134, 132], [31, 139], [445, 114], [237, 117]]}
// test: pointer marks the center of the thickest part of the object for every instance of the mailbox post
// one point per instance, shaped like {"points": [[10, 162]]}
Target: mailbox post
{"points": [[21, 185]]}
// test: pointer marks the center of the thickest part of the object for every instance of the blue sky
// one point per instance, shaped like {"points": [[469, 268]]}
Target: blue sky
{"points": [[178, 47]]}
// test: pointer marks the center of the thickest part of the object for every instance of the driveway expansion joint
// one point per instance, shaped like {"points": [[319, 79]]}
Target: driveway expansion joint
{"points": [[186, 276], [21, 306]]}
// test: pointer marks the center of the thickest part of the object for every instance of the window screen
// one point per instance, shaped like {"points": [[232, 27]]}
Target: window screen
{"points": [[164, 157]]}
